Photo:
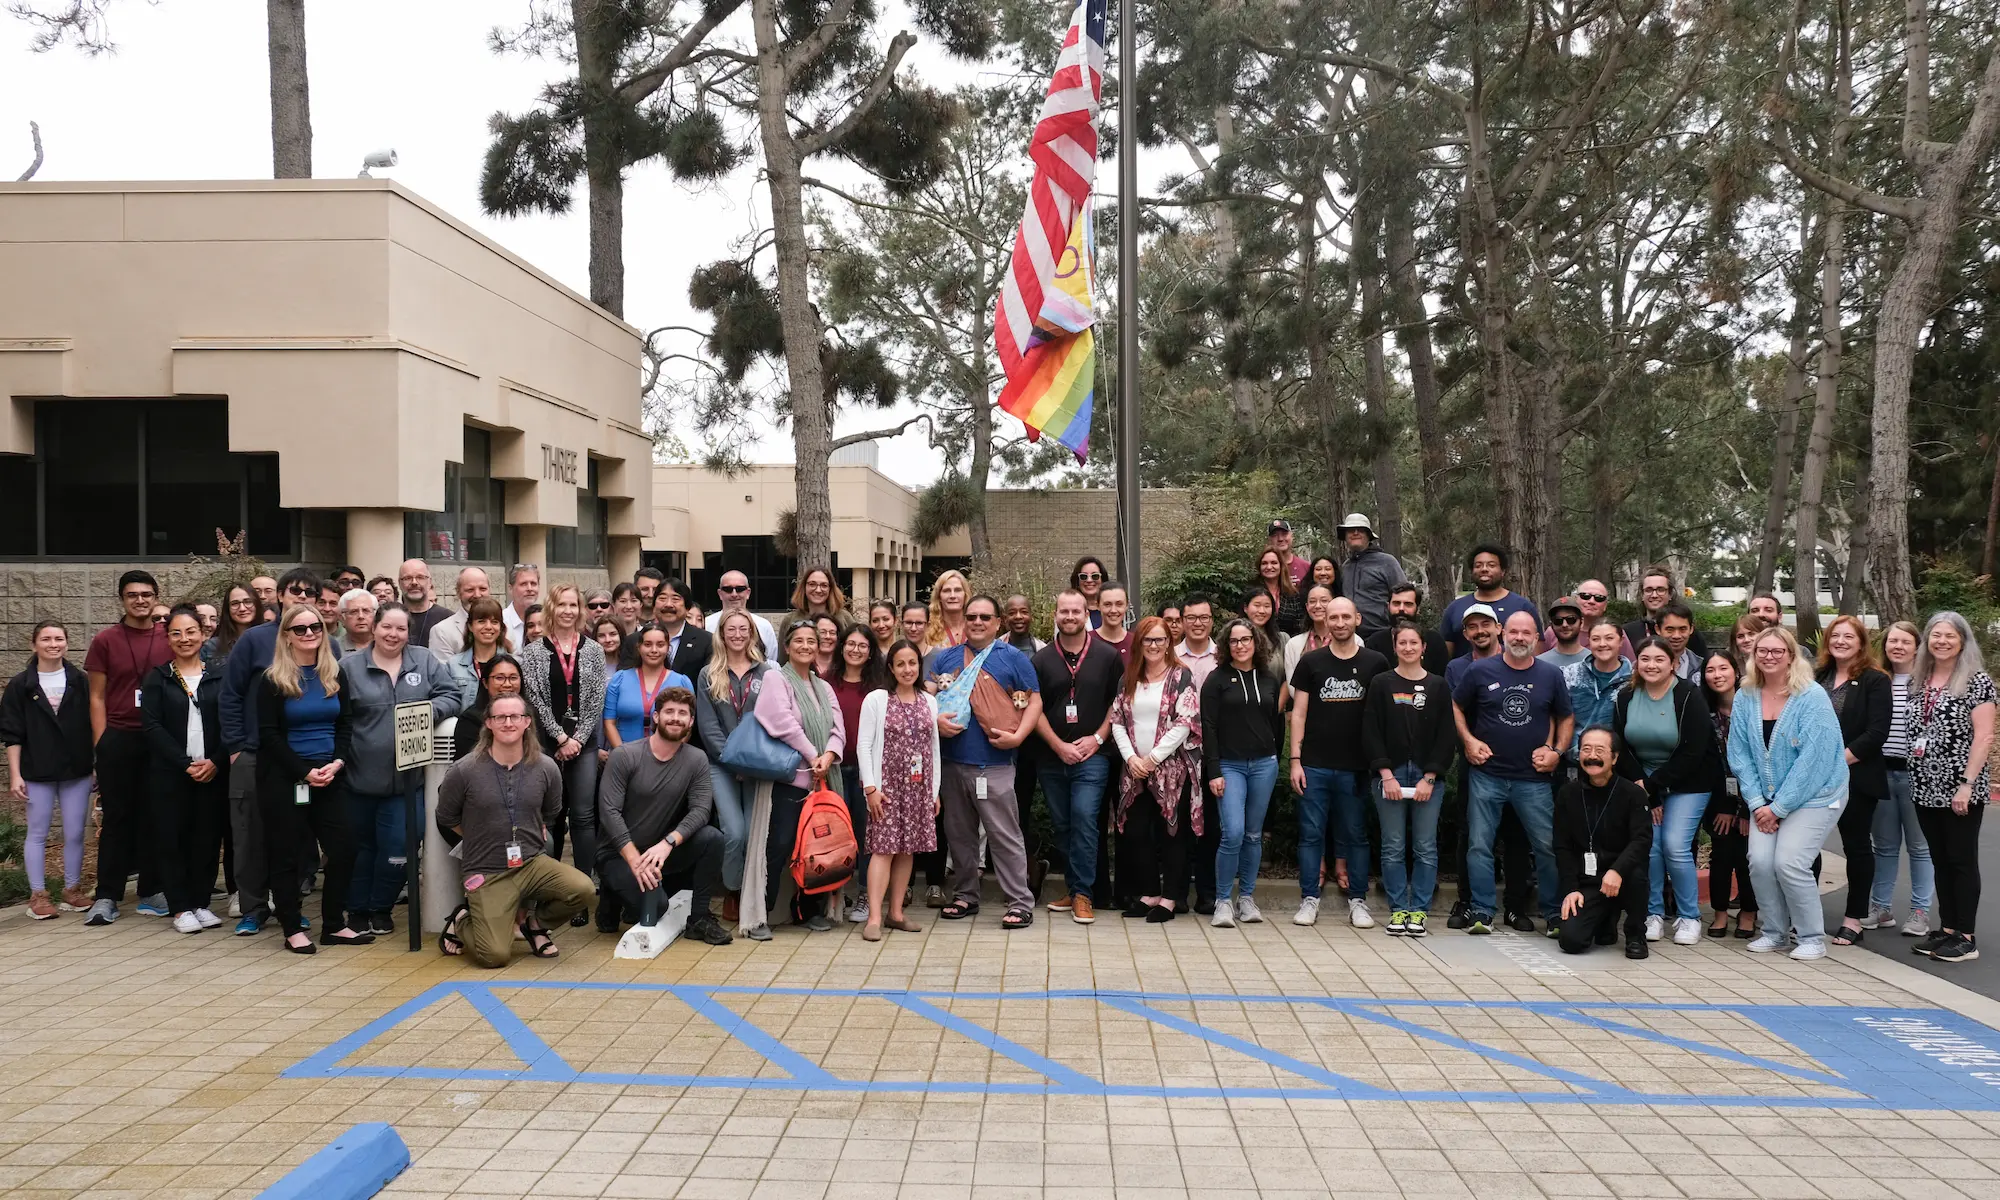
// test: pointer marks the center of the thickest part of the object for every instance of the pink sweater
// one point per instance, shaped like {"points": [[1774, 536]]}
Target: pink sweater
{"points": [[778, 713]]}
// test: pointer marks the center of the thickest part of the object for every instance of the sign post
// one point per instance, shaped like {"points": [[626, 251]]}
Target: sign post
{"points": [[413, 753]]}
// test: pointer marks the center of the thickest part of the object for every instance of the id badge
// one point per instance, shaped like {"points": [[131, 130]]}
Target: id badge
{"points": [[916, 767], [979, 788], [138, 698], [1730, 786], [1590, 863], [514, 855], [1917, 747], [1069, 712], [301, 794]]}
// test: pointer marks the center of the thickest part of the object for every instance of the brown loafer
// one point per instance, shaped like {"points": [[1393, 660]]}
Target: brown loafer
{"points": [[1080, 910]]}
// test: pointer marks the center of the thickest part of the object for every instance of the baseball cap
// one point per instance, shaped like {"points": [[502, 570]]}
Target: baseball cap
{"points": [[1279, 526], [1568, 602], [1479, 610]]}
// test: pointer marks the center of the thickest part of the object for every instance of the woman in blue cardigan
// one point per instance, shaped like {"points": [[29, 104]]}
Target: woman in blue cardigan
{"points": [[1786, 750]]}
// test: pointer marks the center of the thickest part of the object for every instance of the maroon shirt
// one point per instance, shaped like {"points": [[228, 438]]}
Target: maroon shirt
{"points": [[850, 696], [124, 656]]}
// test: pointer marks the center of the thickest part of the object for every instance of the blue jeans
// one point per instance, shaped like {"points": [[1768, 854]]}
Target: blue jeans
{"points": [[1673, 854], [1075, 793], [1534, 803], [379, 852], [1896, 827], [1246, 797], [1334, 794], [1781, 871], [1409, 891], [735, 823]]}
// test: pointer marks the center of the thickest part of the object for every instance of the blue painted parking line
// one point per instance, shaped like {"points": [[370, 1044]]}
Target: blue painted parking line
{"points": [[1866, 1058]]}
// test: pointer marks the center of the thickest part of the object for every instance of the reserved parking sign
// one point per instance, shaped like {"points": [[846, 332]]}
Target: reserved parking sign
{"points": [[413, 735]]}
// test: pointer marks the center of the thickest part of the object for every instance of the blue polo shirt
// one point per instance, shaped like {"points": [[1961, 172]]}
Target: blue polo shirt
{"points": [[1010, 669], [1512, 710]]}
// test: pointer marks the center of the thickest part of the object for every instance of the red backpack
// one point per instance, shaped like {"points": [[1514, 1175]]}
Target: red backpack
{"points": [[823, 857]]}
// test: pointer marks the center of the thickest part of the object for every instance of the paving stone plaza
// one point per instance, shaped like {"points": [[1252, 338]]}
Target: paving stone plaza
{"points": [[1123, 1059]]}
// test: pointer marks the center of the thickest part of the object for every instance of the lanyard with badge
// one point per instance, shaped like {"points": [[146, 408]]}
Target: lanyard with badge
{"points": [[1590, 836], [506, 778], [568, 665], [1920, 743], [646, 694], [1069, 708]]}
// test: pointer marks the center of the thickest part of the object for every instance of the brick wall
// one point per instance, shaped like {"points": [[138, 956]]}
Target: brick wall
{"points": [[1049, 530]]}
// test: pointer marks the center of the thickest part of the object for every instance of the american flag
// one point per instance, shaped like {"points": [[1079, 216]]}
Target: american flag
{"points": [[1044, 312]]}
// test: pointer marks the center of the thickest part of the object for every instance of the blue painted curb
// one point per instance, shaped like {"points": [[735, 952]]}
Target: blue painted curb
{"points": [[354, 1166]]}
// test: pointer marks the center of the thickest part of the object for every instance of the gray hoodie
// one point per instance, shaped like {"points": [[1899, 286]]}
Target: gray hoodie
{"points": [[375, 696], [1366, 579]]}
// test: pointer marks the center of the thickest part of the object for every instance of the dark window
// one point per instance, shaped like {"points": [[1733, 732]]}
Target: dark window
{"points": [[583, 545], [140, 479], [772, 575], [471, 528]]}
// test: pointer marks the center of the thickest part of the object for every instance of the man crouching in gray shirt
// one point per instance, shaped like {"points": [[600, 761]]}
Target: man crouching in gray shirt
{"points": [[653, 811], [500, 799]]}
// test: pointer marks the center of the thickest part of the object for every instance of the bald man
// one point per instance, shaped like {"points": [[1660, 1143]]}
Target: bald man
{"points": [[448, 637]]}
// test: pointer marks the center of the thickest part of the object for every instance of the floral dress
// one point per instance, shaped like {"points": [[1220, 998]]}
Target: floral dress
{"points": [[906, 825], [1942, 724]]}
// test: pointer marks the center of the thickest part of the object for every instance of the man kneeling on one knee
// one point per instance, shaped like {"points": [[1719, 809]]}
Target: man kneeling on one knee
{"points": [[1603, 835], [500, 799], [653, 811]]}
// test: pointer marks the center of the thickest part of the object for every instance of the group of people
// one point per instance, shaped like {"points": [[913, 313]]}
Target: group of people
{"points": [[1575, 761]]}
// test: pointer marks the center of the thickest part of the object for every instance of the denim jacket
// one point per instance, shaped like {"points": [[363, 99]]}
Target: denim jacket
{"points": [[1593, 695], [1806, 763]]}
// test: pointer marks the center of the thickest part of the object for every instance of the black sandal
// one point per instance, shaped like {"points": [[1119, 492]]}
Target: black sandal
{"points": [[541, 943], [1017, 919], [1847, 937], [449, 943], [958, 910]]}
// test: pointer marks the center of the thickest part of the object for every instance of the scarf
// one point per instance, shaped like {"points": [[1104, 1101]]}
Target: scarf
{"points": [[815, 714], [1175, 779]]}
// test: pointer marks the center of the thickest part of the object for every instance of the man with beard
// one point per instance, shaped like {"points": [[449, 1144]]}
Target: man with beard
{"points": [[653, 811], [1604, 833]]}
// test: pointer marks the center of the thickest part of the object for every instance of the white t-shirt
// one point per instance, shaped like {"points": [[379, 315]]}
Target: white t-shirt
{"points": [[54, 684], [1146, 700], [196, 747], [714, 625]]}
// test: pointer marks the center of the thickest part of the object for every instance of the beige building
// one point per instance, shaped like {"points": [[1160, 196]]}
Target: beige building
{"points": [[337, 367]]}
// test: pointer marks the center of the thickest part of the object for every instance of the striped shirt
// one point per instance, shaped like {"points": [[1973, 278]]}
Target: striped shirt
{"points": [[1898, 745]]}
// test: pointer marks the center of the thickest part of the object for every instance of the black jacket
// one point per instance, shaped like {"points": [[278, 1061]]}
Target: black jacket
{"points": [[1689, 770], [1623, 836], [279, 767], [1724, 799], [163, 714], [56, 744], [1394, 733], [1865, 714], [1239, 718]]}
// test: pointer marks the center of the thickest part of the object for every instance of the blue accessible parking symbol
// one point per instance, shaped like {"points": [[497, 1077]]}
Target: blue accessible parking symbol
{"points": [[1177, 1044]]}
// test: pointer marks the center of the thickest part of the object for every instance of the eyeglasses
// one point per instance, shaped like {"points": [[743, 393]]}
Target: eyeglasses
{"points": [[1593, 597], [1771, 652], [506, 718], [135, 594], [1153, 641], [1243, 641], [310, 629], [247, 602]]}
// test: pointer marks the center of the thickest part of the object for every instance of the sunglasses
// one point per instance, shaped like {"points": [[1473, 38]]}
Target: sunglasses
{"points": [[1088, 576], [731, 590], [1593, 597], [1565, 620], [598, 604], [981, 617], [301, 591], [311, 629]]}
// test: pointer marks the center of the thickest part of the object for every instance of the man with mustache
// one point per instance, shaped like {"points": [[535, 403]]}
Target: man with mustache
{"points": [[1604, 833]]}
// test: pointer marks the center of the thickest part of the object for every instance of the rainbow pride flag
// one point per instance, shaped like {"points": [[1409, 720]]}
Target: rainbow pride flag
{"points": [[1052, 389]]}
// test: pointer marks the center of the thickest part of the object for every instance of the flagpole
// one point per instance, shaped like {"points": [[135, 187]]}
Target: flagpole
{"points": [[1126, 425]]}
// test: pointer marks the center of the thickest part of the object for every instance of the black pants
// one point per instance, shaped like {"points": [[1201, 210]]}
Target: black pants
{"points": [[787, 804], [1151, 861], [188, 820], [1855, 822], [1205, 847], [125, 839], [1954, 842], [1596, 923], [579, 815], [1729, 872], [696, 866], [857, 816], [286, 826]]}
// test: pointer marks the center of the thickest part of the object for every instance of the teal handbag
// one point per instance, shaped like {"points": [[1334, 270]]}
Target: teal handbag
{"points": [[754, 754]]}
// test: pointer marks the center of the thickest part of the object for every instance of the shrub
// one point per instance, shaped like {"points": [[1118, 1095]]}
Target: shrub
{"points": [[1216, 553], [1947, 584]]}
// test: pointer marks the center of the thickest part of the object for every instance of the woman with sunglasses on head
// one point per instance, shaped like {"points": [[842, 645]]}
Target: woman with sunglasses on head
{"points": [[1727, 818], [857, 670], [1861, 695], [563, 676], [725, 690], [305, 732], [1951, 750], [1087, 579], [189, 796], [1787, 753], [1896, 823]]}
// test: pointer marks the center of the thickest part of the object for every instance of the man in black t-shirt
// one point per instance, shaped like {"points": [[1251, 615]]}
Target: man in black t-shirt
{"points": [[1404, 600], [1080, 675], [1330, 761]]}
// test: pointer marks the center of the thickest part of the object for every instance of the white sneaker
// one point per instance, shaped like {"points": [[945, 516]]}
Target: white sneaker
{"points": [[1765, 943], [208, 919], [186, 923], [1687, 932], [1879, 918], [235, 904], [858, 914], [1919, 924], [1358, 914], [1810, 948], [1246, 911], [1224, 918], [1656, 928], [1308, 913]]}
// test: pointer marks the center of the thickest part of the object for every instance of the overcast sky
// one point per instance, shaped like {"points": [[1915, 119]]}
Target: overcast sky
{"points": [[186, 96]]}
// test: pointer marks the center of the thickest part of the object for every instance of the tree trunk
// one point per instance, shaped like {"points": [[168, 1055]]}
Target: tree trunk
{"points": [[1486, 239], [1851, 580], [597, 46], [1375, 387], [982, 463], [1242, 397], [812, 424], [1992, 518], [1318, 387], [1604, 498], [1943, 174], [1819, 442], [1414, 334], [1781, 456], [291, 103]]}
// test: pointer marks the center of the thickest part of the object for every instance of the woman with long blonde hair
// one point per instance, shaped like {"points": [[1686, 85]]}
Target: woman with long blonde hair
{"points": [[949, 594], [305, 727], [725, 691], [563, 677]]}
